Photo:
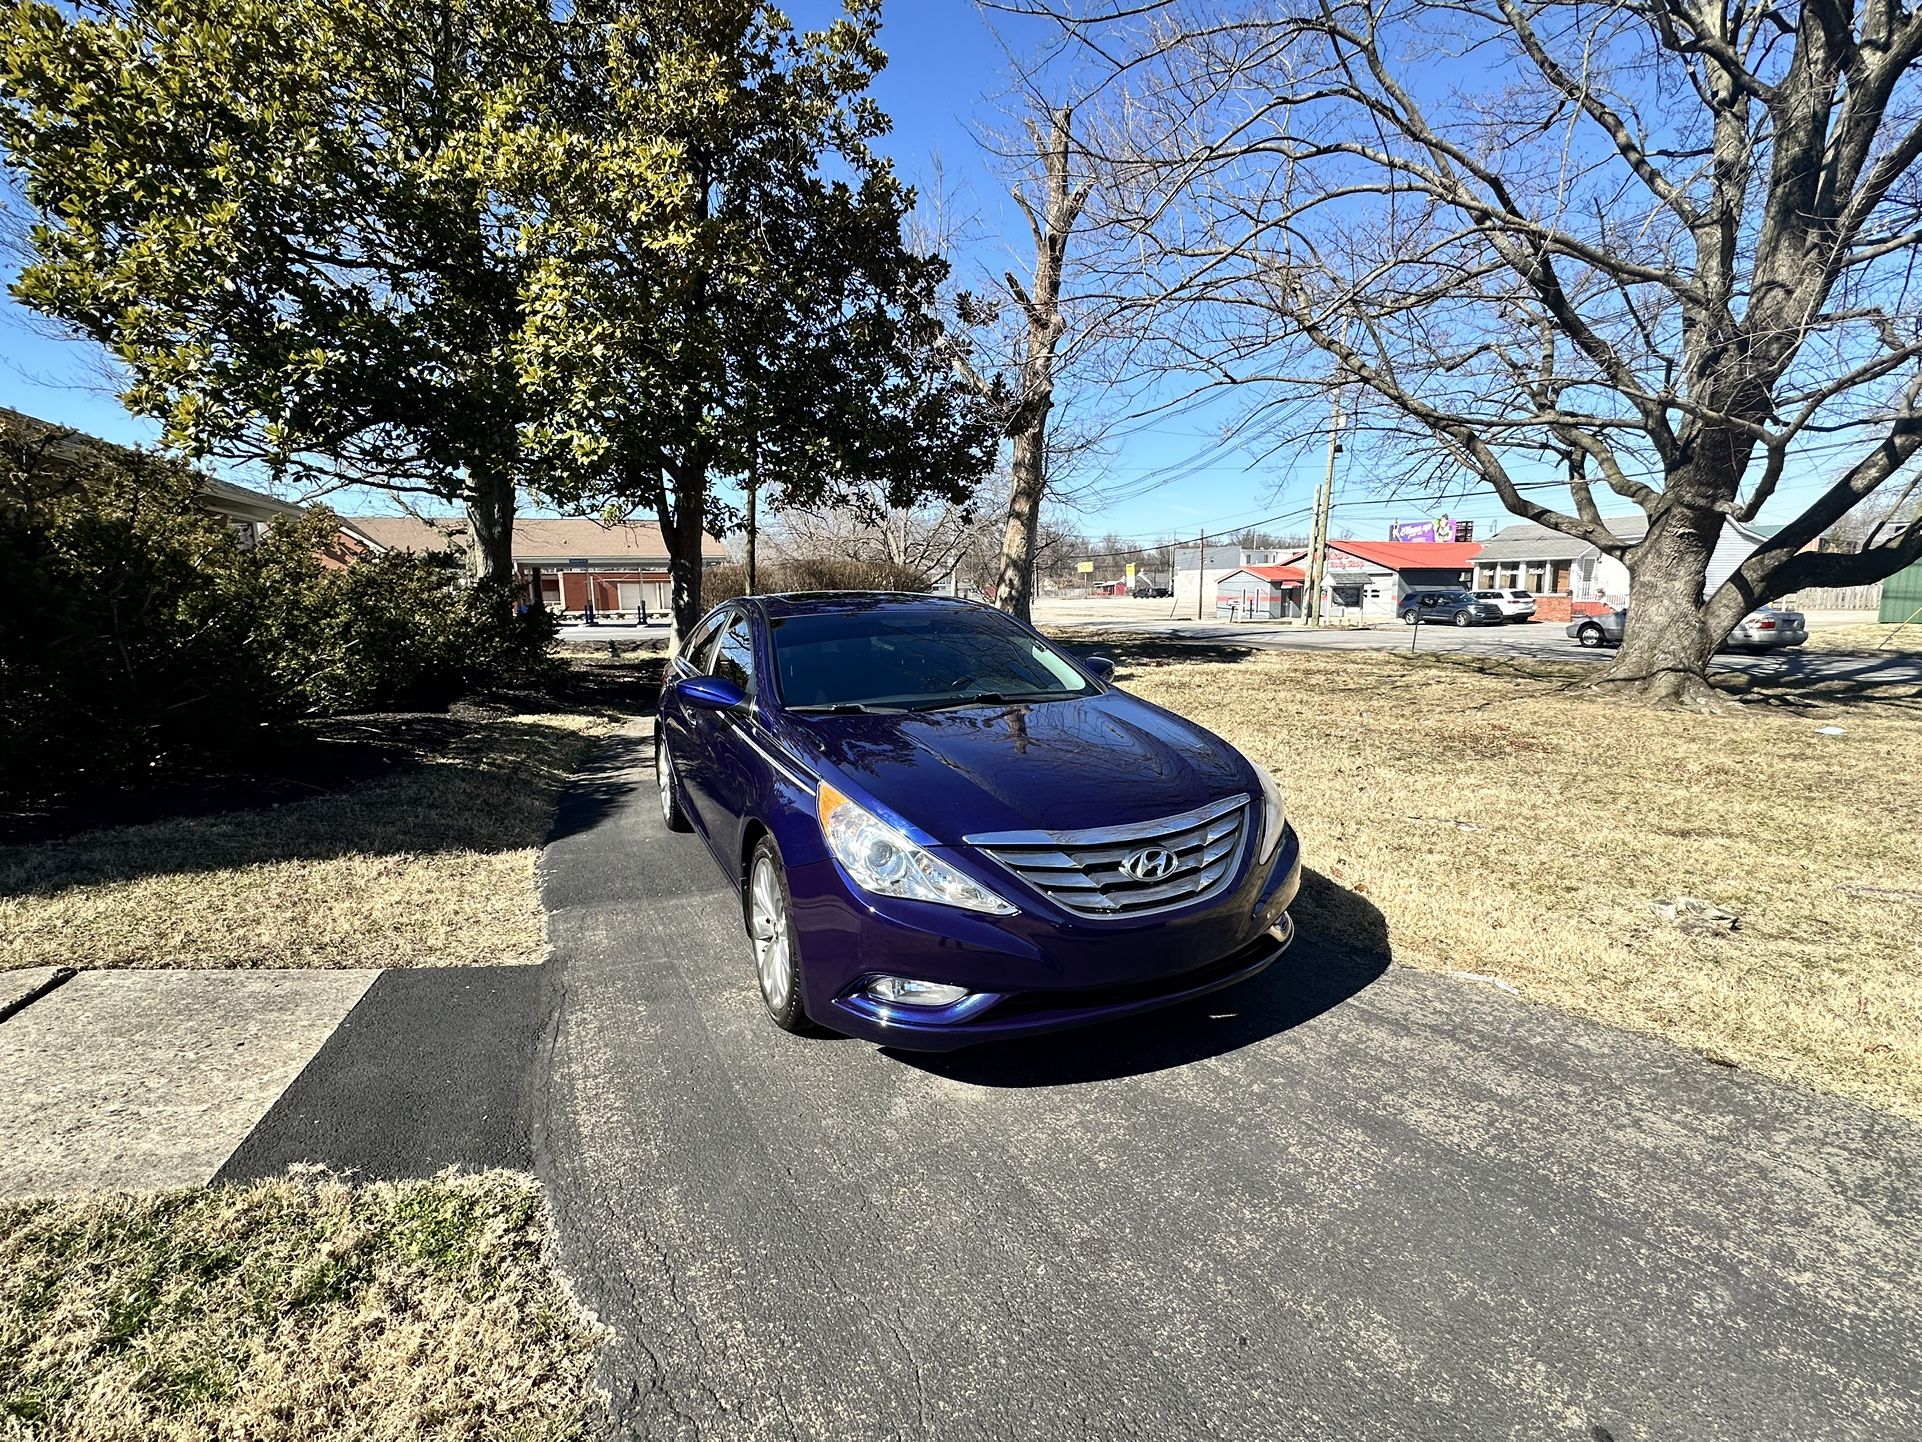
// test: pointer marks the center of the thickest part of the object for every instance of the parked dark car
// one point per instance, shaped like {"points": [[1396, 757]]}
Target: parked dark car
{"points": [[1453, 608], [945, 830]]}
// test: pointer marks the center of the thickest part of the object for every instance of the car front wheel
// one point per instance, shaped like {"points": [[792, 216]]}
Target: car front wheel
{"points": [[1589, 636], [1462, 618], [671, 812], [769, 912]]}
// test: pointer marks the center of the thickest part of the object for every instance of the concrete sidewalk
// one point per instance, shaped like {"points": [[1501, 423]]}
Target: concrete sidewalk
{"points": [[139, 1079], [152, 1078]]}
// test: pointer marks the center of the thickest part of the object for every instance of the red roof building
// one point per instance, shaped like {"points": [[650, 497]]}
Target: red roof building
{"points": [[1367, 579], [1253, 592]]}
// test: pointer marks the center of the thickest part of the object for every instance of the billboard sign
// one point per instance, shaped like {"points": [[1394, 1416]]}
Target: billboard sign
{"points": [[1442, 530]]}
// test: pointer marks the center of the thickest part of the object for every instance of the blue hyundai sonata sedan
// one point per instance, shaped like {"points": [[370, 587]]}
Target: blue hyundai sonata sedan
{"points": [[944, 830]]}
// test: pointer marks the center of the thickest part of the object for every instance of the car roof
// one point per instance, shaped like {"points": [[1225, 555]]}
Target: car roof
{"points": [[779, 605]]}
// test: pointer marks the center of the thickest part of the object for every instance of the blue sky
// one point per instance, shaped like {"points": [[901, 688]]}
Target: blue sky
{"points": [[944, 87]]}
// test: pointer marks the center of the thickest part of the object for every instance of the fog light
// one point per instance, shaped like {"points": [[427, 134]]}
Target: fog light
{"points": [[905, 991]]}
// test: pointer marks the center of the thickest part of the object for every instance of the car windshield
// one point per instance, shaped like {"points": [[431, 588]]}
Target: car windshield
{"points": [[894, 657], [1454, 598]]}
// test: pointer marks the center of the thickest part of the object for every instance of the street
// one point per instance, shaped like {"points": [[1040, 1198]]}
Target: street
{"points": [[1536, 641], [1349, 1200], [1541, 641]]}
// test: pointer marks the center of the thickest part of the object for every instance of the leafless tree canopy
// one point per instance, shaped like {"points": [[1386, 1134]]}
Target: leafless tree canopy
{"points": [[1662, 251]]}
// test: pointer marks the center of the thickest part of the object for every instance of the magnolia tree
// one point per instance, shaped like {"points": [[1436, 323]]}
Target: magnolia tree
{"points": [[285, 222], [1661, 255], [721, 289]]}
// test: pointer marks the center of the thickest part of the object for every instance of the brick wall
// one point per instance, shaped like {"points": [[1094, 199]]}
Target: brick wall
{"points": [[1565, 608]]}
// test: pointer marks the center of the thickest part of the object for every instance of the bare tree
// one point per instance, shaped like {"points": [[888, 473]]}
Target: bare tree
{"points": [[1661, 251], [1052, 199], [863, 525]]}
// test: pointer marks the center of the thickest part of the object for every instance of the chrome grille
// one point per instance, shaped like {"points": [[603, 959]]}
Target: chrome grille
{"points": [[1085, 871]]}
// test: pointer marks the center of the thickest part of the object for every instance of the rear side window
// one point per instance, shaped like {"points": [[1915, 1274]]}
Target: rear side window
{"points": [[734, 658]]}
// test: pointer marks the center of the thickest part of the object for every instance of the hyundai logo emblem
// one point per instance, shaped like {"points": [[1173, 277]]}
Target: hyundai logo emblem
{"points": [[1151, 863]]}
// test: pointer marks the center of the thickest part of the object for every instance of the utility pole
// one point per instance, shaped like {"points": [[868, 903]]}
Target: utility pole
{"points": [[1318, 534], [1201, 571]]}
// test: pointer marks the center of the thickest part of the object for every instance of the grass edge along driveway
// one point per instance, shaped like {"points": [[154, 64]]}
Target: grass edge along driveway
{"points": [[303, 1309]]}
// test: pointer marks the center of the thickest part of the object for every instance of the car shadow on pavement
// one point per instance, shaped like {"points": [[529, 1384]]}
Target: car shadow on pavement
{"points": [[1342, 947]]}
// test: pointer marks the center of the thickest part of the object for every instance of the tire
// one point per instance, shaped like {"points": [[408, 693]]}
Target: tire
{"points": [[1590, 636], [767, 911], [1462, 618], [672, 814], [1408, 618]]}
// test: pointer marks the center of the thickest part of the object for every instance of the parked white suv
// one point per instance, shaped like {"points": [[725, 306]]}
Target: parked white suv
{"points": [[1516, 605]]}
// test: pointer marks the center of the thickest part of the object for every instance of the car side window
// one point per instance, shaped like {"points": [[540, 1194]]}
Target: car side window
{"points": [[700, 645], [734, 659]]}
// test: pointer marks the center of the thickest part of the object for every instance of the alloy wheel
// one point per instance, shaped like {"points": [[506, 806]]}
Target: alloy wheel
{"points": [[664, 772], [767, 925]]}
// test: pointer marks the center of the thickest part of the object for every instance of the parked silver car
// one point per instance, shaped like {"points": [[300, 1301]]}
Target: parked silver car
{"points": [[1768, 628], [1601, 630], [1760, 630]]}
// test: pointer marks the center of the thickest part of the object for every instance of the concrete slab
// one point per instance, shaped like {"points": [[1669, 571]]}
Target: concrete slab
{"points": [[151, 1079], [17, 986]]}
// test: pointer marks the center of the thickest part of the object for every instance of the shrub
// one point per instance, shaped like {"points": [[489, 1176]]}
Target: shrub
{"points": [[139, 635], [122, 637], [341, 634]]}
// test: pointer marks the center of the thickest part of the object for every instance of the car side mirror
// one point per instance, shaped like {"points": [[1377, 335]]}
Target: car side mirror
{"points": [[710, 693], [1100, 667]]}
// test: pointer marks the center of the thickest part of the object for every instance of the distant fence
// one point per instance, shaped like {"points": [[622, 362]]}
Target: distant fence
{"points": [[1836, 598]]}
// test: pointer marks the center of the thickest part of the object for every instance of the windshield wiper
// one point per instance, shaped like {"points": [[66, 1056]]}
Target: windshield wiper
{"points": [[838, 708], [973, 698]]}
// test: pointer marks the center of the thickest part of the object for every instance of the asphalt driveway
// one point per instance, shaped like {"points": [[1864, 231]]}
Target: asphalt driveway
{"points": [[1349, 1200]]}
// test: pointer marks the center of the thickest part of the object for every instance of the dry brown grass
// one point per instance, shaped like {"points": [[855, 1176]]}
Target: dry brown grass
{"points": [[1869, 636], [306, 1310], [1509, 825], [430, 867]]}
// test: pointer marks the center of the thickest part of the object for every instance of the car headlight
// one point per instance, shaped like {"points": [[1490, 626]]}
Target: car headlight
{"points": [[880, 859], [1274, 817]]}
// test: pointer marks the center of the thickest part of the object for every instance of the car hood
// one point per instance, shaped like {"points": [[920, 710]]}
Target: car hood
{"points": [[1102, 760]]}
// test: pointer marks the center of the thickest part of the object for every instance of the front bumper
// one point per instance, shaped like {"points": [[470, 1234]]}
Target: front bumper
{"points": [[1030, 973]]}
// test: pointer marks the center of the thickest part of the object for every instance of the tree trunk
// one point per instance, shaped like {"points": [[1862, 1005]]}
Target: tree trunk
{"points": [[681, 516], [1670, 639], [1014, 590], [490, 528]]}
